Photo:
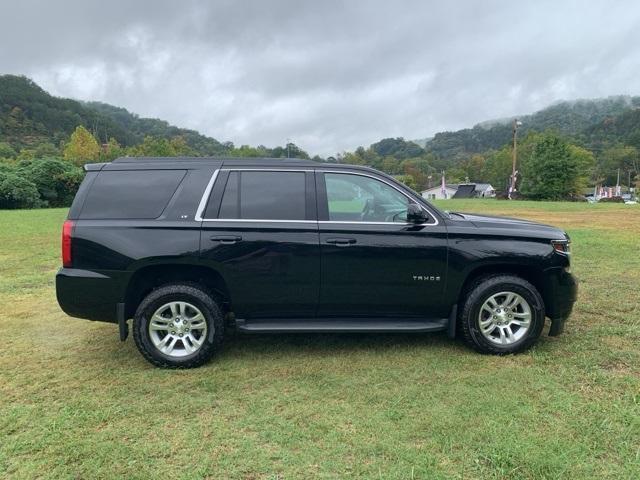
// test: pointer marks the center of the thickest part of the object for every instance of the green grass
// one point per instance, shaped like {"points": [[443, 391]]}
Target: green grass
{"points": [[77, 403]]}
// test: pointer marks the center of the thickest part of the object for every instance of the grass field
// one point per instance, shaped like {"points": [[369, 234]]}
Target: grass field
{"points": [[77, 403]]}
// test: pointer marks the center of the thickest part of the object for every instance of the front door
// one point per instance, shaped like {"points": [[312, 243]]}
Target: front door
{"points": [[260, 232], [373, 262]]}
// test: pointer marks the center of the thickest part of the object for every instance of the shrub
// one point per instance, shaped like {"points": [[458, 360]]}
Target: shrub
{"points": [[612, 200], [6, 167], [57, 181], [17, 192], [7, 151]]}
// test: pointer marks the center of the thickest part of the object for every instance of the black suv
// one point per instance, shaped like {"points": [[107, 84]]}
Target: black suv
{"points": [[192, 247]]}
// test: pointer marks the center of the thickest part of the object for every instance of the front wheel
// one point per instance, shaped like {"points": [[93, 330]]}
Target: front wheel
{"points": [[178, 326], [502, 314]]}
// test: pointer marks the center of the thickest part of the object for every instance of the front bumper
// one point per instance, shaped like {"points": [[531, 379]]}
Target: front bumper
{"points": [[88, 294], [560, 293]]}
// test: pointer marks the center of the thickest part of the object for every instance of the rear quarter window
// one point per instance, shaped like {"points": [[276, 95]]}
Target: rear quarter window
{"points": [[141, 194]]}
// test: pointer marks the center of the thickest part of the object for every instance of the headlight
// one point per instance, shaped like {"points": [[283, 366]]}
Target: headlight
{"points": [[562, 246]]}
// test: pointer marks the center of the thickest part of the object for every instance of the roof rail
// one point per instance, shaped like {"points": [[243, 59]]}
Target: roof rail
{"points": [[206, 159]]}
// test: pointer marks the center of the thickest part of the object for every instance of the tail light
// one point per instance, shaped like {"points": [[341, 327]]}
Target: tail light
{"points": [[67, 229]]}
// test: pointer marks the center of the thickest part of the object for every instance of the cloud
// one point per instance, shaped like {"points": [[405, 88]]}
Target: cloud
{"points": [[329, 75]]}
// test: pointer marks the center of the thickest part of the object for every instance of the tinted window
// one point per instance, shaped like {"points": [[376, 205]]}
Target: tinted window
{"points": [[356, 198], [264, 196], [230, 205], [131, 194]]}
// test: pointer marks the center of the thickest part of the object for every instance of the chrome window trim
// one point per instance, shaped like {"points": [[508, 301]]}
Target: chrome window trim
{"points": [[207, 193], [205, 197], [250, 220], [400, 224], [362, 174], [264, 169]]}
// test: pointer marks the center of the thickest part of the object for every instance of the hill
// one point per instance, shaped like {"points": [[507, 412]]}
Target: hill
{"points": [[30, 116], [578, 119]]}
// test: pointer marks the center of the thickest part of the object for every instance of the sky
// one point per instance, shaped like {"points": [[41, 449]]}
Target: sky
{"points": [[327, 75]]}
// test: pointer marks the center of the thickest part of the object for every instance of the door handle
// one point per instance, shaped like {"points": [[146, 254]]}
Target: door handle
{"points": [[228, 239], [341, 242]]}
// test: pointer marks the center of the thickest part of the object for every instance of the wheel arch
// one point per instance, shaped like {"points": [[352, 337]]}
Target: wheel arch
{"points": [[150, 277], [530, 273]]}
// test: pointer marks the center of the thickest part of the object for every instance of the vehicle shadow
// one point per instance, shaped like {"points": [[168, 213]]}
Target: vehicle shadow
{"points": [[239, 346], [331, 343]]}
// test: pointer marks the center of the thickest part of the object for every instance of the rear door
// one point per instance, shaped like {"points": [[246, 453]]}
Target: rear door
{"points": [[375, 263], [260, 231]]}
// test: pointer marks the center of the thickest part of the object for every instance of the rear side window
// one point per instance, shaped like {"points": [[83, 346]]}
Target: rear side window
{"points": [[264, 196], [142, 194]]}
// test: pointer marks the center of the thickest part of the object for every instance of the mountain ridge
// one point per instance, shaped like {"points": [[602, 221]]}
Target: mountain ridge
{"points": [[570, 118], [29, 116]]}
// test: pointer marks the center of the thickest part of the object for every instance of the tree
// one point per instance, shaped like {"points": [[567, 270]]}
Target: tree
{"points": [[161, 147], [57, 181], [247, 151], [82, 147], [586, 162], [418, 169], [7, 151], [497, 168], [17, 192], [111, 151], [397, 147], [289, 150], [623, 157], [408, 180], [6, 167], [553, 171], [475, 167]]}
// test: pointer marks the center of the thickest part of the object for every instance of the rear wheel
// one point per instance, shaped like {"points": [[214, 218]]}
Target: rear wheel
{"points": [[178, 326], [502, 314]]}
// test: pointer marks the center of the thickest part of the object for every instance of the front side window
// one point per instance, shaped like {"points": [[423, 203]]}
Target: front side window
{"points": [[356, 198], [259, 195]]}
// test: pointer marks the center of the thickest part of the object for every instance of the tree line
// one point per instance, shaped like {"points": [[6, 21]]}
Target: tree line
{"points": [[45, 175], [550, 166]]}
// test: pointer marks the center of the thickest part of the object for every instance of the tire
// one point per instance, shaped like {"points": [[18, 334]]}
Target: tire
{"points": [[178, 326], [502, 314]]}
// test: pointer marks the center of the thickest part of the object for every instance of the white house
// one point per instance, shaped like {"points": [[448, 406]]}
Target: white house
{"points": [[436, 193], [453, 190]]}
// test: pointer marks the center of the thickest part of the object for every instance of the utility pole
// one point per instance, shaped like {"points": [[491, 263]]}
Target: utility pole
{"points": [[514, 172], [288, 148]]}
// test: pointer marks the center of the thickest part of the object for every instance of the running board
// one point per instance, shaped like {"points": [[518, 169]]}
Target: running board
{"points": [[342, 325]]}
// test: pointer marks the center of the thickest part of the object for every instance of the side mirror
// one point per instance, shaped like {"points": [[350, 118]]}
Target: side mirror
{"points": [[415, 213]]}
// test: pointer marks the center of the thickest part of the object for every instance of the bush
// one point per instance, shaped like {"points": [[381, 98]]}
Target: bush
{"points": [[7, 151], [6, 167], [17, 192], [612, 200], [57, 181]]}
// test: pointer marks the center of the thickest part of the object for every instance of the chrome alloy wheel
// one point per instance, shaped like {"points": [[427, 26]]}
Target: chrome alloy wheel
{"points": [[178, 329], [504, 318]]}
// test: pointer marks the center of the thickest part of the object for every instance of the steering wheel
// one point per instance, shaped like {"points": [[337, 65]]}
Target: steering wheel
{"points": [[367, 209], [396, 216]]}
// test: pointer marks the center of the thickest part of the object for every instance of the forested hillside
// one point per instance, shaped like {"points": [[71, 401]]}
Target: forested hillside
{"points": [[44, 140], [571, 119], [29, 116], [591, 140]]}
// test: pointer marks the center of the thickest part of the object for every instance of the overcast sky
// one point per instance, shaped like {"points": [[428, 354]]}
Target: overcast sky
{"points": [[328, 75]]}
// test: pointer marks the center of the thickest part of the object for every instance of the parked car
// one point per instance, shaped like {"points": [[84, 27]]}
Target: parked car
{"points": [[191, 247]]}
